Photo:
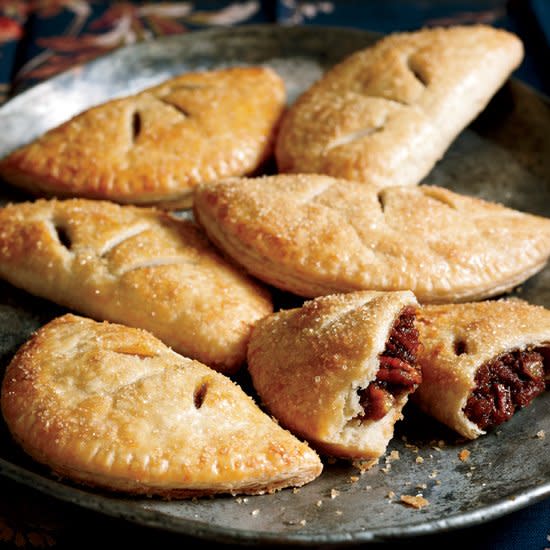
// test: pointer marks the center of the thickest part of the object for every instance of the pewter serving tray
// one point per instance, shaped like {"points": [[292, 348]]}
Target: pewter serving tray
{"points": [[503, 156]]}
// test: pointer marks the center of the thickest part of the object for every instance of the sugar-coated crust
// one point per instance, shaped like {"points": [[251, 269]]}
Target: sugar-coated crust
{"points": [[113, 407], [308, 364], [314, 235], [483, 331], [136, 266], [155, 146], [386, 114]]}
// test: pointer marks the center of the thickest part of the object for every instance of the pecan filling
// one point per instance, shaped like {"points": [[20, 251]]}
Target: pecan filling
{"points": [[506, 383], [398, 373]]}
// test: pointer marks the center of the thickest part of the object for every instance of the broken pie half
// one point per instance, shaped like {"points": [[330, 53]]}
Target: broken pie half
{"points": [[387, 113], [339, 370], [136, 266], [314, 235], [155, 146], [112, 407], [482, 362]]}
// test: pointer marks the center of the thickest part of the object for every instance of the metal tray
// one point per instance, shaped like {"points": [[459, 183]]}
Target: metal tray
{"points": [[503, 156]]}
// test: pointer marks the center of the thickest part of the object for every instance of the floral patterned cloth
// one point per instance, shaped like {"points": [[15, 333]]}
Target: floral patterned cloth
{"points": [[40, 38]]}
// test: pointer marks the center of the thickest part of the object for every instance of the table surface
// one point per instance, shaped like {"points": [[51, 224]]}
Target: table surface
{"points": [[39, 39]]}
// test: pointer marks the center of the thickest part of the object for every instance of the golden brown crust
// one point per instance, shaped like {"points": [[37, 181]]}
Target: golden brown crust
{"points": [[315, 235], [309, 364], [136, 266], [386, 114], [155, 146], [458, 339], [112, 407]]}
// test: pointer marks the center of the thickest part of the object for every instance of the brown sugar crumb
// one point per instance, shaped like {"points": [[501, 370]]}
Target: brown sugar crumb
{"points": [[541, 434], [464, 455], [417, 501]]}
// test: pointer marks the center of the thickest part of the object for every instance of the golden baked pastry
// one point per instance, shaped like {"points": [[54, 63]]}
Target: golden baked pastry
{"points": [[387, 113], [155, 146], [481, 362], [136, 266], [338, 370], [112, 407], [313, 235]]}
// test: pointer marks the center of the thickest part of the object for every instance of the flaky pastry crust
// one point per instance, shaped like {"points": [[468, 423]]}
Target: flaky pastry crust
{"points": [[386, 114], [112, 407], [314, 235], [155, 146], [309, 364], [457, 339], [136, 266]]}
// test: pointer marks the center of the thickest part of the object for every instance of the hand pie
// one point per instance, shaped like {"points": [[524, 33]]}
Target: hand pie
{"points": [[481, 362], [112, 407], [135, 266], [386, 114], [155, 146], [313, 235], [339, 370]]}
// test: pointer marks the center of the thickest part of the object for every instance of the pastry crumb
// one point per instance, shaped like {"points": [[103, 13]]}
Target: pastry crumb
{"points": [[419, 460], [421, 486], [319, 503], [416, 502], [334, 493], [541, 434], [391, 494], [339, 512], [364, 465], [353, 479], [296, 490], [394, 455], [303, 522], [386, 469], [255, 512], [464, 455]]}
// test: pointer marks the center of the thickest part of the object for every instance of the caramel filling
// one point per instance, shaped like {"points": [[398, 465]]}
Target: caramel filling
{"points": [[398, 373], [504, 384]]}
